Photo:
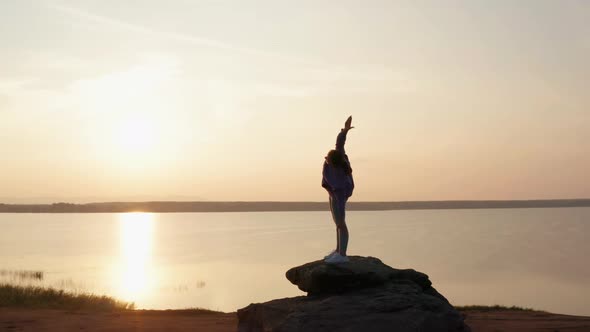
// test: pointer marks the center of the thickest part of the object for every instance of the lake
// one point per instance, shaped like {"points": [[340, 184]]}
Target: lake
{"points": [[223, 261]]}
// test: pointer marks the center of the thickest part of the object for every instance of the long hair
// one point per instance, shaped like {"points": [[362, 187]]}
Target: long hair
{"points": [[337, 159]]}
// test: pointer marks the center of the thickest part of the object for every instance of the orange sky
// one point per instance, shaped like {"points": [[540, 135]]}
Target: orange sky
{"points": [[235, 101]]}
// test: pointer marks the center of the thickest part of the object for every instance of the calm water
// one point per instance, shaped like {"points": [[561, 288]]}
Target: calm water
{"points": [[528, 257]]}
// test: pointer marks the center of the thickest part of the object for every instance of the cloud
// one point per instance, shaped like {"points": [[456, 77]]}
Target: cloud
{"points": [[300, 77], [195, 40], [13, 86]]}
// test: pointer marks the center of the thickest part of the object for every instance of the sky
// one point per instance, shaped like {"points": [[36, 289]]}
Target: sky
{"points": [[241, 100]]}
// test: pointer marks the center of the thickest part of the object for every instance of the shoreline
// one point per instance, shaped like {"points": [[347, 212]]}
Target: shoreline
{"points": [[41, 309], [275, 206]]}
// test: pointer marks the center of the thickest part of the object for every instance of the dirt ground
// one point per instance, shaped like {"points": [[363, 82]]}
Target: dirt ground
{"points": [[42, 320], [173, 321], [525, 321]]}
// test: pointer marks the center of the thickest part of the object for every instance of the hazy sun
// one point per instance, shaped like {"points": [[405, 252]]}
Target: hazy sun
{"points": [[127, 116], [136, 135]]}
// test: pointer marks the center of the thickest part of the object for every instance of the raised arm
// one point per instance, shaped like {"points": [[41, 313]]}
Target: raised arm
{"points": [[341, 139]]}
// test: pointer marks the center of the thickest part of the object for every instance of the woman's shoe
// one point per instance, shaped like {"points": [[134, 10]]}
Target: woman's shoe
{"points": [[330, 254], [336, 259]]}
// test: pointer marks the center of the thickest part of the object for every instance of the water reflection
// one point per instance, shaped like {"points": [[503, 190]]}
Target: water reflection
{"points": [[135, 266]]}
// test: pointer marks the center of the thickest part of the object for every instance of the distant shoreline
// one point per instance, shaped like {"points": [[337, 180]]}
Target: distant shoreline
{"points": [[268, 206]]}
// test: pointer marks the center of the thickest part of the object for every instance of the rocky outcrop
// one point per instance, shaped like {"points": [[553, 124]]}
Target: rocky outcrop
{"points": [[359, 273], [361, 295]]}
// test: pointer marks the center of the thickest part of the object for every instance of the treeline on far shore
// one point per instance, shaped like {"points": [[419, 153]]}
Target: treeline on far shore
{"points": [[204, 206]]}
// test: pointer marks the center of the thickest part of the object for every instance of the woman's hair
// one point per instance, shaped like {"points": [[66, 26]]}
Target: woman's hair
{"points": [[337, 159]]}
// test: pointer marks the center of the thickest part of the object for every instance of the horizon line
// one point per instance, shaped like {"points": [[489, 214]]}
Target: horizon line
{"points": [[276, 206], [319, 201]]}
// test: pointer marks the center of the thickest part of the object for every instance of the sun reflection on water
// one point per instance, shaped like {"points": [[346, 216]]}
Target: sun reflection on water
{"points": [[135, 277]]}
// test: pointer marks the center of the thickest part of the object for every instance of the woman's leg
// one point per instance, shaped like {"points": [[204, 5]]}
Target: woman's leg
{"points": [[334, 217], [339, 214]]}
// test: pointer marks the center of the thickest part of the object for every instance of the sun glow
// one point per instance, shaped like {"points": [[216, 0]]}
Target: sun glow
{"points": [[136, 135], [126, 112], [135, 268]]}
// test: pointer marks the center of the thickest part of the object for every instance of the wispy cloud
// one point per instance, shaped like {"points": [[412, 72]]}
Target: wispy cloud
{"points": [[195, 40], [10, 86], [310, 76]]}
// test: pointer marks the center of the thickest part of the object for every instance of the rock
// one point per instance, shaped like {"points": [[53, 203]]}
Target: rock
{"points": [[360, 272], [361, 295]]}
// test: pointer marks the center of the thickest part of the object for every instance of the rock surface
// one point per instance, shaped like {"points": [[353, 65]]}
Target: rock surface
{"points": [[360, 272], [361, 295]]}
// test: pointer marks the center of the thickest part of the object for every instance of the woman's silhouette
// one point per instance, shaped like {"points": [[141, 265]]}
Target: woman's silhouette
{"points": [[337, 180]]}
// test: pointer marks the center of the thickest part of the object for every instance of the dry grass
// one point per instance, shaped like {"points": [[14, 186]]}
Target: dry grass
{"points": [[49, 298], [492, 308]]}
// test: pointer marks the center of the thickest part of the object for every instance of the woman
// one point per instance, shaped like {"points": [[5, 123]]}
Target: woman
{"points": [[338, 181]]}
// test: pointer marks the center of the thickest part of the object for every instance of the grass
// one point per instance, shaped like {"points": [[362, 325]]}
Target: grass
{"points": [[49, 298], [496, 307], [22, 274], [181, 312]]}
